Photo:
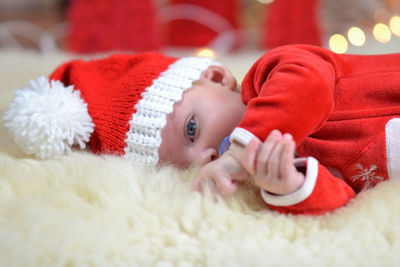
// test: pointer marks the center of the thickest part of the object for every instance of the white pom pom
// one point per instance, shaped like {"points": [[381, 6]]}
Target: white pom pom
{"points": [[47, 119]]}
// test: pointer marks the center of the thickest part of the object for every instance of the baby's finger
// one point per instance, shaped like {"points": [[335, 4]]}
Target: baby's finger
{"points": [[196, 185], [266, 150], [250, 155], [212, 186], [287, 157], [274, 162], [226, 186]]}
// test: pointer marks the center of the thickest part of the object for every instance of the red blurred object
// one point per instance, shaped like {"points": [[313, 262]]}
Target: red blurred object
{"points": [[105, 25], [189, 33], [291, 22]]}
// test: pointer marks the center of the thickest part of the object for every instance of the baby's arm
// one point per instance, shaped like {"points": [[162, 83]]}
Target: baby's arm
{"points": [[269, 163], [288, 185], [299, 186]]}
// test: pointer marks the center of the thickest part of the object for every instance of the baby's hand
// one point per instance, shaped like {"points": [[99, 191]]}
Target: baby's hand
{"points": [[221, 175], [271, 164]]}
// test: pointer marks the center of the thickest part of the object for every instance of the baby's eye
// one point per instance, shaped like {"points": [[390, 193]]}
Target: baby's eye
{"points": [[191, 129]]}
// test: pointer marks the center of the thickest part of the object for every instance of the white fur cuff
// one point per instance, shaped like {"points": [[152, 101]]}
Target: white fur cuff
{"points": [[242, 136], [303, 192], [393, 148]]}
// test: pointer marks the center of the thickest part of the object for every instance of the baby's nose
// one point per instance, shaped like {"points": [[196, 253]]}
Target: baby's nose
{"points": [[207, 155]]}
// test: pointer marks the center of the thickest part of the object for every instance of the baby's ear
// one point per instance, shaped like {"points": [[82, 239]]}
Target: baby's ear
{"points": [[220, 74]]}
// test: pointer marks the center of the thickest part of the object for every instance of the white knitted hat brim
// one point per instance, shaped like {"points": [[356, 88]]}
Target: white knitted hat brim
{"points": [[144, 136]]}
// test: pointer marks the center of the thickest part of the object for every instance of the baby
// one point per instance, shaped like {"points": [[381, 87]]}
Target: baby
{"points": [[339, 113]]}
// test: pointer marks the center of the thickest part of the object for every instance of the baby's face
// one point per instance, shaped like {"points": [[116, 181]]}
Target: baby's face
{"points": [[207, 113]]}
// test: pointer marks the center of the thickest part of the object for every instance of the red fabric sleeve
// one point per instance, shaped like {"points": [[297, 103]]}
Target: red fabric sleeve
{"points": [[329, 194], [290, 88]]}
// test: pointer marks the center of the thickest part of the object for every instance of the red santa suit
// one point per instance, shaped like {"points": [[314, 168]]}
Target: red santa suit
{"points": [[343, 112]]}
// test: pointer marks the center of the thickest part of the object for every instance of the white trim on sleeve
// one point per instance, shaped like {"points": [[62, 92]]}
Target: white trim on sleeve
{"points": [[300, 194], [393, 148], [242, 136]]}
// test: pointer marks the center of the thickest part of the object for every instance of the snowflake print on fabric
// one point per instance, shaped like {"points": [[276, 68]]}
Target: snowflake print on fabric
{"points": [[367, 175]]}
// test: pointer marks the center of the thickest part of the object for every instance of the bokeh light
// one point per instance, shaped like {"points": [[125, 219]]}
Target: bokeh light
{"points": [[206, 52], [356, 36], [382, 33], [395, 25], [265, 1], [338, 43]]}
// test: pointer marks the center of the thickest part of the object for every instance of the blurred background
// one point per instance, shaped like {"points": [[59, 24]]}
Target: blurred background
{"points": [[202, 27]]}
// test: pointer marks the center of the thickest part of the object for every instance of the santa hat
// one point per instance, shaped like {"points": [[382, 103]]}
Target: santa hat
{"points": [[118, 105]]}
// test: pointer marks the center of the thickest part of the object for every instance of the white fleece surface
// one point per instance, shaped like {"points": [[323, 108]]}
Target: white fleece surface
{"points": [[85, 210]]}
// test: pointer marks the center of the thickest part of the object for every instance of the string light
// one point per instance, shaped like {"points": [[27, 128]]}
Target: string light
{"points": [[382, 33], [356, 36], [206, 52], [395, 25], [338, 43]]}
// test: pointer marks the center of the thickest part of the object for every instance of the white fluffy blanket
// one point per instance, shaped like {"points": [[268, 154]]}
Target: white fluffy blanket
{"points": [[85, 210]]}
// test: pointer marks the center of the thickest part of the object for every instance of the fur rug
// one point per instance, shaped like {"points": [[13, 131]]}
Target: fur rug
{"points": [[85, 210]]}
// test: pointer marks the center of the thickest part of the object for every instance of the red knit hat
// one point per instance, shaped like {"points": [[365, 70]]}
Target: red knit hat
{"points": [[117, 104]]}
